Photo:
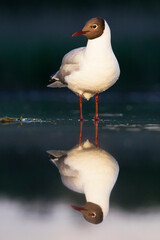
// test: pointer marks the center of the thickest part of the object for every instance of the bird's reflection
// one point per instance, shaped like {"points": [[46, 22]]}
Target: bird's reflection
{"points": [[88, 169]]}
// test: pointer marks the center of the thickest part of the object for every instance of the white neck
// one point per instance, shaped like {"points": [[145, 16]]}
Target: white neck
{"points": [[98, 46], [99, 196]]}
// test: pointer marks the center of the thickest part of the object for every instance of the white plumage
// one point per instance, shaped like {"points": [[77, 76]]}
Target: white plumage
{"points": [[89, 170], [89, 70]]}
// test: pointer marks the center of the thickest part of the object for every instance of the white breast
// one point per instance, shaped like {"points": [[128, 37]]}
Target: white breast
{"points": [[96, 171], [99, 68]]}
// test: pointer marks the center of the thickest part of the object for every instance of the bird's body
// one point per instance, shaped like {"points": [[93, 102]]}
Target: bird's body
{"points": [[92, 69], [89, 170]]}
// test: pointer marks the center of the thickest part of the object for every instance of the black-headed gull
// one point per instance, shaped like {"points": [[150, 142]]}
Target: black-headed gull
{"points": [[92, 69], [90, 170]]}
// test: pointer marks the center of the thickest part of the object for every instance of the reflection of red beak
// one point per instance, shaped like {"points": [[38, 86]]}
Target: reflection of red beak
{"points": [[78, 208], [79, 33]]}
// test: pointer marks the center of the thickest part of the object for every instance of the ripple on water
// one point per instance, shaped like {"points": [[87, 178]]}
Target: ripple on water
{"points": [[133, 127]]}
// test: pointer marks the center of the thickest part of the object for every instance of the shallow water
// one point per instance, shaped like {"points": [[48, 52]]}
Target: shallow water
{"points": [[34, 203]]}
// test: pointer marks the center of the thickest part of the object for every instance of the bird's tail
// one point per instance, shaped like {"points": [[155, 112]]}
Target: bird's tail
{"points": [[55, 155], [55, 82]]}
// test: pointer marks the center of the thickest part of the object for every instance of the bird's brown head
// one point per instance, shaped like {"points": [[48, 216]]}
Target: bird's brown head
{"points": [[91, 212], [94, 28]]}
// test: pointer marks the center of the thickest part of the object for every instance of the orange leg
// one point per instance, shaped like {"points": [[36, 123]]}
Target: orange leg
{"points": [[96, 104], [80, 133], [80, 105], [96, 132]]}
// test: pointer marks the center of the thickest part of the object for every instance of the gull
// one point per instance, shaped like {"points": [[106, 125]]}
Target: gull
{"points": [[90, 170], [90, 70]]}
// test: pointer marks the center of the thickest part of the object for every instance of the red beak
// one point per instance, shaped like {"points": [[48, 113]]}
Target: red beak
{"points": [[79, 33], [78, 208]]}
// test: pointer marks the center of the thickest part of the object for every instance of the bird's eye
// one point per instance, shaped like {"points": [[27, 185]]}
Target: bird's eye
{"points": [[93, 214], [94, 26]]}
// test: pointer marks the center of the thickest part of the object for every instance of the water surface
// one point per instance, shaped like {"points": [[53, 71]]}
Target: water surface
{"points": [[34, 203]]}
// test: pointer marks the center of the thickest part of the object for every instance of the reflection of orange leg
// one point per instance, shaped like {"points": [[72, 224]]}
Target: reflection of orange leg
{"points": [[80, 133], [96, 105], [80, 105], [96, 132]]}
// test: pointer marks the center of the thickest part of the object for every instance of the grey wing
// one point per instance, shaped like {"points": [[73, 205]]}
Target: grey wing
{"points": [[74, 56], [70, 62], [56, 154], [58, 158], [70, 177]]}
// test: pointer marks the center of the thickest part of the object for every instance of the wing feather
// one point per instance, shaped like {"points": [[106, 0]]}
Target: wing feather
{"points": [[70, 62]]}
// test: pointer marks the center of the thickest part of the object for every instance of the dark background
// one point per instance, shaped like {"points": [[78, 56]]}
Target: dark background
{"points": [[35, 35]]}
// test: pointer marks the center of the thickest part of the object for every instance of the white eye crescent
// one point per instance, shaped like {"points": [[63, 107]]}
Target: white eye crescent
{"points": [[94, 26], [93, 214]]}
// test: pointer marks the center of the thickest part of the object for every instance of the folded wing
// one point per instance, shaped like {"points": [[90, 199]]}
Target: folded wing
{"points": [[70, 62]]}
